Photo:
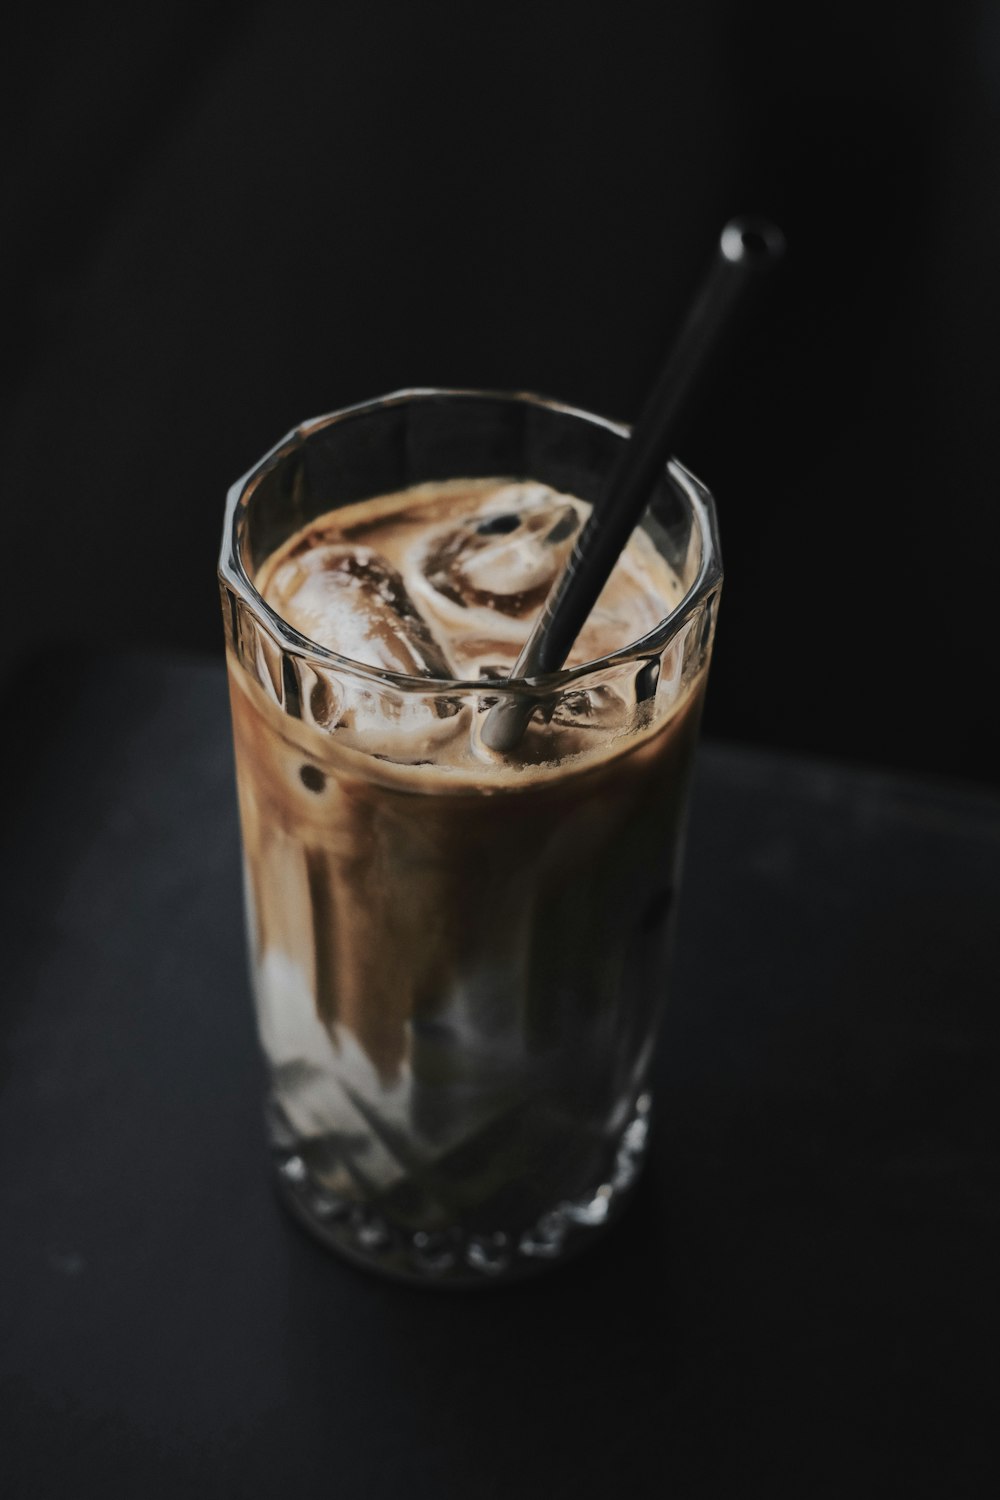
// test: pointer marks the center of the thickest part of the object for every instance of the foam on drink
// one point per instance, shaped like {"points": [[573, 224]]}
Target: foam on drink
{"points": [[445, 580]]}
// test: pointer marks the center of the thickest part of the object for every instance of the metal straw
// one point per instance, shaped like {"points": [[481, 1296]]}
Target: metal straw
{"points": [[746, 246]]}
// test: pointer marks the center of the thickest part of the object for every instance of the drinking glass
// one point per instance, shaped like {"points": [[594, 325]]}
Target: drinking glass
{"points": [[459, 960]]}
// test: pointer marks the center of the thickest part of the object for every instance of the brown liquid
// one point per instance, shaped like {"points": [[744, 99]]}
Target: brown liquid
{"points": [[459, 956], [474, 559]]}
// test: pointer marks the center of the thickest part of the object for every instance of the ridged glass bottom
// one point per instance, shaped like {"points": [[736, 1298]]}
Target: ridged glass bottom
{"points": [[453, 1256]]}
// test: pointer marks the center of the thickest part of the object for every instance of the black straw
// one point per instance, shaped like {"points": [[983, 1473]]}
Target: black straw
{"points": [[746, 247]]}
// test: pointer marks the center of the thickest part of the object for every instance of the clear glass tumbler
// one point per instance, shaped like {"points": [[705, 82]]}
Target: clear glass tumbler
{"points": [[458, 972]]}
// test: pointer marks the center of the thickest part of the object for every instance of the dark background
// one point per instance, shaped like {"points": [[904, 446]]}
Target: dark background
{"points": [[220, 220]]}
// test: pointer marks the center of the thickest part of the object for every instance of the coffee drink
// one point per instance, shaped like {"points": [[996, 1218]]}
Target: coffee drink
{"points": [[458, 941], [459, 955]]}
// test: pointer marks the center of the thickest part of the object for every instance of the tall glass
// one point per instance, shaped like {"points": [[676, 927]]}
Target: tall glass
{"points": [[458, 969]]}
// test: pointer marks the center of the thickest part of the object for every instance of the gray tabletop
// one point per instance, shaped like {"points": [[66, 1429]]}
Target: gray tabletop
{"points": [[801, 1300]]}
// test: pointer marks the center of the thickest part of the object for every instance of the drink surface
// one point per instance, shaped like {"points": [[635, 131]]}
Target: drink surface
{"points": [[445, 580], [458, 957]]}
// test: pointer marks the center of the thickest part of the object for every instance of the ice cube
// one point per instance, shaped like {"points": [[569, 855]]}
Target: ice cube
{"points": [[599, 707], [351, 600], [507, 557]]}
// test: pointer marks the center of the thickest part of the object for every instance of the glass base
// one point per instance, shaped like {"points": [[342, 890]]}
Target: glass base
{"points": [[454, 1256]]}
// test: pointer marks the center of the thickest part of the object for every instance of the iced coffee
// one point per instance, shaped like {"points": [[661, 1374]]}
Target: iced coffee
{"points": [[458, 955]]}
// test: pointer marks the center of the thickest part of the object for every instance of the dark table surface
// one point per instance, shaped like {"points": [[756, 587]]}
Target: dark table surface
{"points": [[801, 1299]]}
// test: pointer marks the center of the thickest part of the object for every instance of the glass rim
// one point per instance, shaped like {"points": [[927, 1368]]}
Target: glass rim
{"points": [[233, 574]]}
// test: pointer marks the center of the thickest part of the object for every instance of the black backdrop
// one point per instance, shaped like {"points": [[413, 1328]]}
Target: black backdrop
{"points": [[220, 220]]}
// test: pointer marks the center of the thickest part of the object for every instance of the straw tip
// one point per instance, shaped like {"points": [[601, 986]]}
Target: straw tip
{"points": [[505, 724], [752, 242]]}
